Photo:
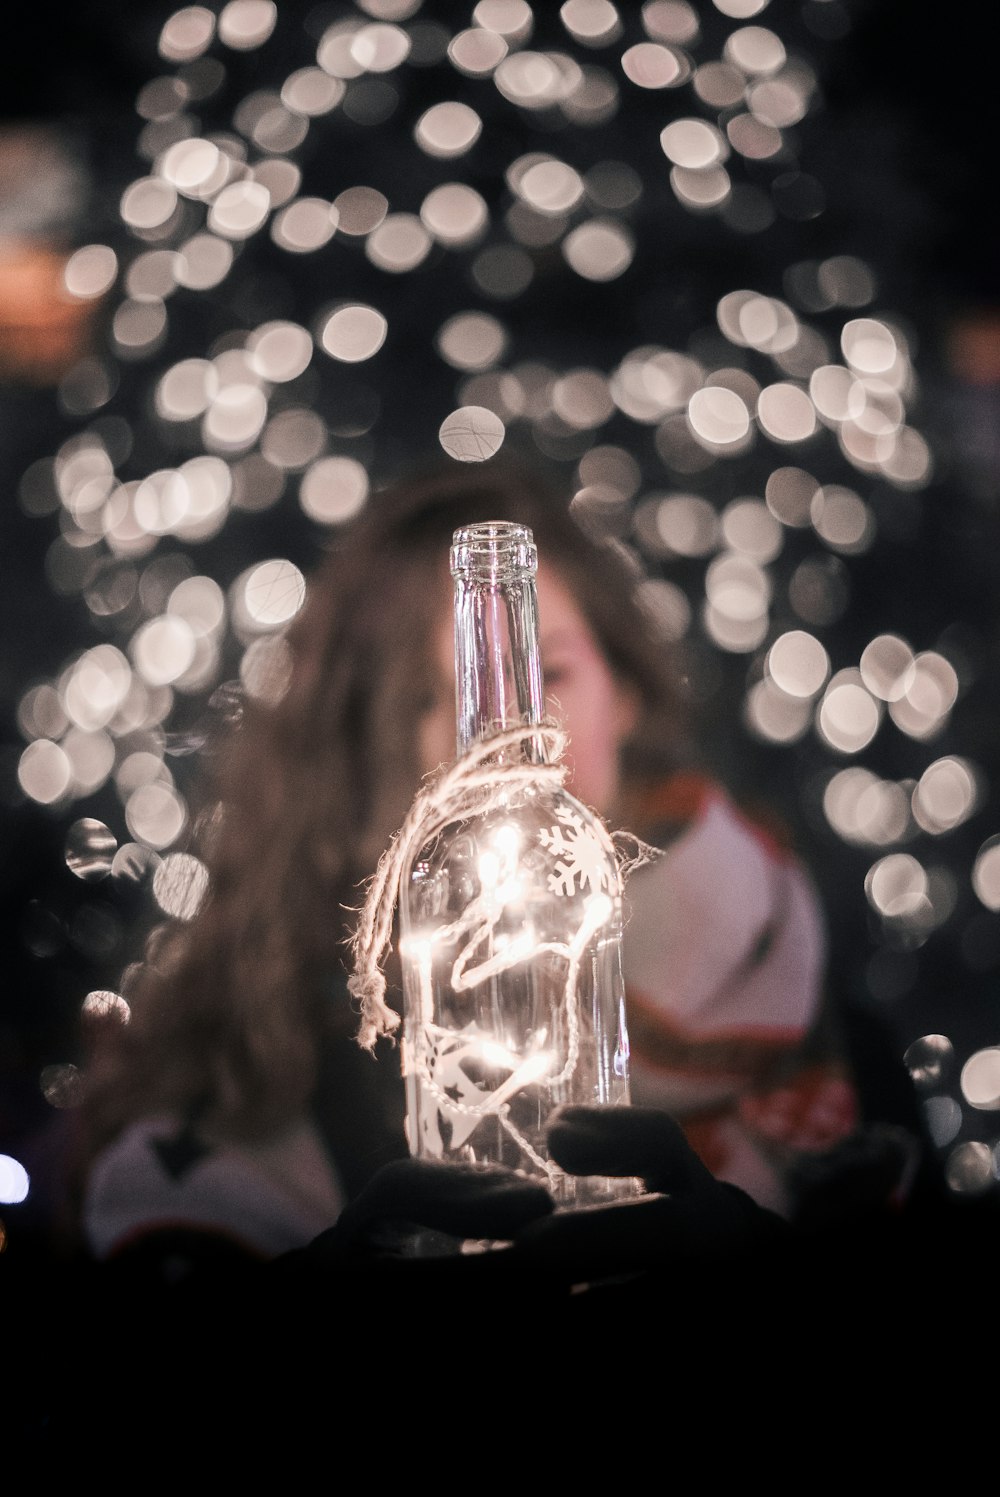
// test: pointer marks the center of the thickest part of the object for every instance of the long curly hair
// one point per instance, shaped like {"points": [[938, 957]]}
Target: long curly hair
{"points": [[231, 1009]]}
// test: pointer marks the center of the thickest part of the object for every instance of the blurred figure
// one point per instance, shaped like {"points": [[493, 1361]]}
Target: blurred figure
{"points": [[235, 1112]]}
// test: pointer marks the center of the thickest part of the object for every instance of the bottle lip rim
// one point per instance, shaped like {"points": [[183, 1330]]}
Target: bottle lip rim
{"points": [[492, 545]]}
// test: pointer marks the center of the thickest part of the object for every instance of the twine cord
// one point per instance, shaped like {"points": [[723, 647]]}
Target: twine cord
{"points": [[474, 784]]}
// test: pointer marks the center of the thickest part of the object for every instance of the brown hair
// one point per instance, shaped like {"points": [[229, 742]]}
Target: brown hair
{"points": [[302, 796]]}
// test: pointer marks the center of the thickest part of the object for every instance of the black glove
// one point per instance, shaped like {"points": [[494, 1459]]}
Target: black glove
{"points": [[415, 1210], [686, 1213]]}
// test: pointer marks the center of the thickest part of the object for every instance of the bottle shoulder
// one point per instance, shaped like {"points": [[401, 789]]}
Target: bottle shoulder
{"points": [[548, 833]]}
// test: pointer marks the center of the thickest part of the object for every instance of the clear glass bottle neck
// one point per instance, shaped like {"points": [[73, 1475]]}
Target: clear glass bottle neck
{"points": [[498, 673]]}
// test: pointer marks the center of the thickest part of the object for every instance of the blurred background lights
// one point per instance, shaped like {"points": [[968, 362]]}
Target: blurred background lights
{"points": [[771, 714], [454, 213], [195, 167], [304, 225], [929, 1060], [333, 490], [90, 848], [202, 262], [789, 494], [594, 22], [842, 519], [693, 143], [865, 809], [90, 271], [980, 1079], [148, 203], [737, 587], [180, 883], [399, 243], [44, 772], [943, 1116], [922, 711], [311, 91], [896, 885], [848, 716], [651, 65], [104, 1004], [748, 526], [14, 1181], [798, 663], [187, 33], [986, 873], [969, 1169], [155, 814], [245, 24], [476, 51], [235, 417], [293, 438], [945, 795], [599, 250], [868, 346], [163, 649], [887, 667], [511, 18], [359, 210], [718, 415], [270, 594], [186, 390], [471, 434], [61, 1084], [448, 129], [786, 413], [354, 333], [239, 210], [472, 340], [266, 668]]}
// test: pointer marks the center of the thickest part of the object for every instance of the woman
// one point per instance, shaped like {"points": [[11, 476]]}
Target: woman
{"points": [[235, 1102]]}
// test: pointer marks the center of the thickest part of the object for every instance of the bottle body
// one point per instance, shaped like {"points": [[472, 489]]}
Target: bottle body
{"points": [[514, 995], [511, 913]]}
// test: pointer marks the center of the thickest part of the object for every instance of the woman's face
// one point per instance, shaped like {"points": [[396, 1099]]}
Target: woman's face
{"points": [[582, 693]]}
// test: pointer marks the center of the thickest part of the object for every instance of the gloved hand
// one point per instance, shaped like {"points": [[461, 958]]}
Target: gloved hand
{"points": [[686, 1214], [418, 1210]]}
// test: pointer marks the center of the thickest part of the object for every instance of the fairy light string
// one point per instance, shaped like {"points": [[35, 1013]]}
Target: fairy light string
{"points": [[475, 784]]}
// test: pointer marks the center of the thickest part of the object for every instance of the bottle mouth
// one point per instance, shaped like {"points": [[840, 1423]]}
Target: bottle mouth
{"points": [[493, 547]]}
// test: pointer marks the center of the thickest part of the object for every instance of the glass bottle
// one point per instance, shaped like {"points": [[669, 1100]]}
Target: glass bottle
{"points": [[510, 917]]}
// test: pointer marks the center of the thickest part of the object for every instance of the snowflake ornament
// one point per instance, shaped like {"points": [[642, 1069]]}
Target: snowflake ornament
{"points": [[582, 856]]}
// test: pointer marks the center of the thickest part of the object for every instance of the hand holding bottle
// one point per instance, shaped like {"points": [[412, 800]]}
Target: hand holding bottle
{"points": [[686, 1214]]}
